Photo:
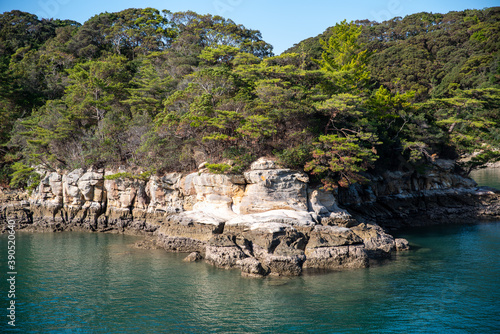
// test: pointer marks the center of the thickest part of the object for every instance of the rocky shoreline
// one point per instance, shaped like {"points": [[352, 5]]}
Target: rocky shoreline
{"points": [[266, 221]]}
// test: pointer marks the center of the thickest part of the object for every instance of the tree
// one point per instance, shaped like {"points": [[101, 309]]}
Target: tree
{"points": [[340, 160], [343, 58], [150, 86]]}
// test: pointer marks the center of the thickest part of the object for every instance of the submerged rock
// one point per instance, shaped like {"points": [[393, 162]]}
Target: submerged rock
{"points": [[402, 244], [193, 257], [336, 258], [251, 267]]}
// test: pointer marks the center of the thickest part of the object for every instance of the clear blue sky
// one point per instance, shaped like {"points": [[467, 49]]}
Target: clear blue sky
{"points": [[282, 22]]}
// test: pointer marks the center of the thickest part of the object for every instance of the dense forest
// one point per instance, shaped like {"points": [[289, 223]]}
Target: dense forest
{"points": [[166, 91]]}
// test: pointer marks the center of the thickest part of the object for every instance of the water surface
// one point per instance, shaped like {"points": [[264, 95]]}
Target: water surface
{"points": [[98, 283], [487, 177]]}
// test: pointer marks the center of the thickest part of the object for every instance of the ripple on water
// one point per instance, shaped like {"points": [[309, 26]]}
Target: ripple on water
{"points": [[82, 282]]}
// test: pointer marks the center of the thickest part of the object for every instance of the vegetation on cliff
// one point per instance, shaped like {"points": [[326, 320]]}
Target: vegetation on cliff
{"points": [[167, 91]]}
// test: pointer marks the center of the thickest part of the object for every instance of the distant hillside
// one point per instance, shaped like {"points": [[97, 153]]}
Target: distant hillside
{"points": [[432, 54]]}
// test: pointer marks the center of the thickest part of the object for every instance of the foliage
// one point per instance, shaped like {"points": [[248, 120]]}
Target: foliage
{"points": [[428, 53], [481, 159], [340, 160], [218, 168], [24, 177], [144, 176], [343, 58], [143, 87]]}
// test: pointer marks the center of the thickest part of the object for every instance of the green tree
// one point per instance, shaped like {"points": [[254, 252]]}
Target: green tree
{"points": [[343, 58], [340, 160]]}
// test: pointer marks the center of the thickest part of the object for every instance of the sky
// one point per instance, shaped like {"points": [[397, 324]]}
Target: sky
{"points": [[281, 22]]}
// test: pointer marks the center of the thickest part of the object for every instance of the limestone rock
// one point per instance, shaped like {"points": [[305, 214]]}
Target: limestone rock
{"points": [[332, 236], [333, 248], [193, 257], [71, 190], [87, 182], [274, 189], [267, 221], [277, 246], [324, 205], [126, 199], [335, 258], [402, 244], [251, 267], [376, 241], [180, 244], [272, 220], [222, 252], [284, 265], [164, 194], [263, 164], [14, 207], [147, 244], [217, 194]]}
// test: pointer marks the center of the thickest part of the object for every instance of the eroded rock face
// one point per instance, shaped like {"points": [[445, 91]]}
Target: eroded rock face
{"points": [[222, 252], [376, 241], [268, 221], [74, 199], [336, 258], [402, 244], [193, 257], [324, 205], [269, 188], [164, 195]]}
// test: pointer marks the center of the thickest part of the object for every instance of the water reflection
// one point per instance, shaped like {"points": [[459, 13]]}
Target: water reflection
{"points": [[82, 282], [487, 177]]}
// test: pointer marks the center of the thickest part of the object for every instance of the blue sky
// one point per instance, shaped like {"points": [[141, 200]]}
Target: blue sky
{"points": [[282, 22]]}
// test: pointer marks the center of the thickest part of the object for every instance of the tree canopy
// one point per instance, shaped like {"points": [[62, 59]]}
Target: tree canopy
{"points": [[167, 91]]}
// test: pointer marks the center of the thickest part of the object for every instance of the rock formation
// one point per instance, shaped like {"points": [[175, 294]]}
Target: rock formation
{"points": [[267, 221]]}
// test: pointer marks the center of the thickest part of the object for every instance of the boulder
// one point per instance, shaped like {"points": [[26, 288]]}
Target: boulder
{"points": [[251, 267], [188, 231], [402, 244], [279, 247], [335, 258], [332, 236], [193, 257], [376, 241], [222, 252], [333, 248], [269, 188], [324, 205]]}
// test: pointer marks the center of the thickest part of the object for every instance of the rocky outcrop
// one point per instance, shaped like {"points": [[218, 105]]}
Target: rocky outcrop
{"points": [[193, 257], [267, 221], [14, 207], [269, 188], [398, 200]]}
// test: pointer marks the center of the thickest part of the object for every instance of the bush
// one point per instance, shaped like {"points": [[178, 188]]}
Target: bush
{"points": [[295, 157], [218, 168], [24, 177], [144, 176]]}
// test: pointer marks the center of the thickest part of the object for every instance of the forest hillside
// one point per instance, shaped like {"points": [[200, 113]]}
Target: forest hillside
{"points": [[167, 91]]}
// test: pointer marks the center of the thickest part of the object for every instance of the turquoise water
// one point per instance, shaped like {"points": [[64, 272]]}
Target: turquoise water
{"points": [[98, 283], [487, 177]]}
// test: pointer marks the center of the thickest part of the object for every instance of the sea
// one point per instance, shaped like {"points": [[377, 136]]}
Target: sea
{"points": [[77, 282]]}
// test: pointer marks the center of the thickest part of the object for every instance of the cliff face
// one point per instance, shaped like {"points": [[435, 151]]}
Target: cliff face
{"points": [[267, 221], [396, 200]]}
